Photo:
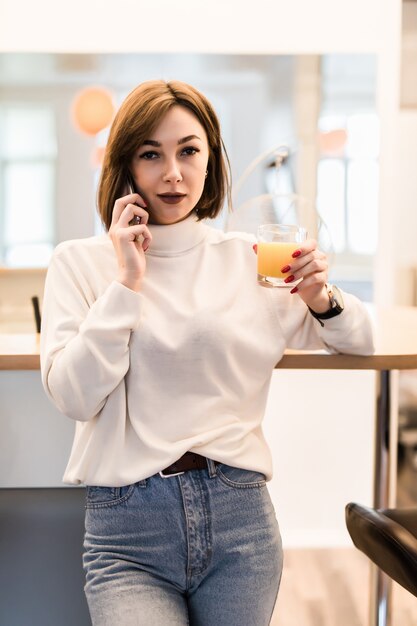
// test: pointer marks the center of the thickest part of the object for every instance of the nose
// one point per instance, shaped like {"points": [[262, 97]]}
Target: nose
{"points": [[172, 172]]}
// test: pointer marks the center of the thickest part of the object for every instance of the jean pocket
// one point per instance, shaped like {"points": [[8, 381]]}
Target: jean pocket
{"points": [[97, 497], [240, 478]]}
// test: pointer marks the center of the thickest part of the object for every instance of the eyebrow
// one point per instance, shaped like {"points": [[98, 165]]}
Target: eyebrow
{"points": [[157, 144]]}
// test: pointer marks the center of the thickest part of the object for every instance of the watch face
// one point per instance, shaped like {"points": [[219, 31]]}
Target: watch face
{"points": [[336, 298]]}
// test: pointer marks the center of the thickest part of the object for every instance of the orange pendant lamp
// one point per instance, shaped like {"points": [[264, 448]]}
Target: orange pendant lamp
{"points": [[333, 142], [92, 110]]}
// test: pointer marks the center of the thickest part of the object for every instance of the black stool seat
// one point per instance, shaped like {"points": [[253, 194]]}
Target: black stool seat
{"points": [[389, 538]]}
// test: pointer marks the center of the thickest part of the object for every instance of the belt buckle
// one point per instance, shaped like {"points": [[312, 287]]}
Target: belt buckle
{"points": [[169, 475]]}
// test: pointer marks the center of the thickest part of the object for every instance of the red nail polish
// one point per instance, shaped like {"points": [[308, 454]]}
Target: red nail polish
{"points": [[294, 290], [286, 269], [289, 279], [255, 247], [296, 254]]}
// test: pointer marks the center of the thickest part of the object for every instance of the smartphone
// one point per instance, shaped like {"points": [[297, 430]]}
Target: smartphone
{"points": [[130, 187]]}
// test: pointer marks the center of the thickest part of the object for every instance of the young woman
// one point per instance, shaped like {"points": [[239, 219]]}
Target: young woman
{"points": [[159, 342]]}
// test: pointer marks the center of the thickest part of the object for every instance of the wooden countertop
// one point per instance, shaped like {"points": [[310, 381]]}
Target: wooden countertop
{"points": [[396, 347], [19, 352], [395, 341]]}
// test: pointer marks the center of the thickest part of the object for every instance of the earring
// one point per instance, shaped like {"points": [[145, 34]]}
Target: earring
{"points": [[206, 173]]}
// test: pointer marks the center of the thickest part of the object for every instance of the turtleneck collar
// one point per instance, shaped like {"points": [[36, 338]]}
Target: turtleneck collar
{"points": [[178, 238]]}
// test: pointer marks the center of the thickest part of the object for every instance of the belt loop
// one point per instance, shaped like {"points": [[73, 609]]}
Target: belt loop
{"points": [[162, 475], [211, 466]]}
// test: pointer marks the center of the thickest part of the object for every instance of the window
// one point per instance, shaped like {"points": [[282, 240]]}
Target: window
{"points": [[28, 155], [348, 168], [347, 183]]}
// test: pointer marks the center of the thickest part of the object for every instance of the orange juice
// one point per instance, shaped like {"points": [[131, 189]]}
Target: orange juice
{"points": [[274, 255]]}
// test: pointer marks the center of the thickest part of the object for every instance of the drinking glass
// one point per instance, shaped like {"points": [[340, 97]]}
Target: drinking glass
{"points": [[276, 243]]}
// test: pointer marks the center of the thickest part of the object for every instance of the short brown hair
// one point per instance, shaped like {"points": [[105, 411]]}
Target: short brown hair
{"points": [[138, 116]]}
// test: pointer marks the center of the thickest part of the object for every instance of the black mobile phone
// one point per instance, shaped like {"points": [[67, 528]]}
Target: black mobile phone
{"points": [[130, 186]]}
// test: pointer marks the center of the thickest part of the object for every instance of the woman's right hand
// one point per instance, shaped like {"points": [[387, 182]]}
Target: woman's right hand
{"points": [[130, 242]]}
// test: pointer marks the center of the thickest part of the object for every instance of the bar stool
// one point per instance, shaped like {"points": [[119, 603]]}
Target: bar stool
{"points": [[389, 538]]}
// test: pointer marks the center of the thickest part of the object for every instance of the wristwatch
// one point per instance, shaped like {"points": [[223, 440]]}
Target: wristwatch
{"points": [[336, 305]]}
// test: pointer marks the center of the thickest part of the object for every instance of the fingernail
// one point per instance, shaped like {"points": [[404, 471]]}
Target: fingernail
{"points": [[255, 247], [289, 279], [286, 269], [294, 290], [296, 254]]}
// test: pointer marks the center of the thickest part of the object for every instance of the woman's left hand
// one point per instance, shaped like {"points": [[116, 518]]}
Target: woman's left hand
{"points": [[310, 265]]}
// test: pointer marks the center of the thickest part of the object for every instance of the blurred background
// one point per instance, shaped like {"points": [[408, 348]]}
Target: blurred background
{"points": [[301, 131]]}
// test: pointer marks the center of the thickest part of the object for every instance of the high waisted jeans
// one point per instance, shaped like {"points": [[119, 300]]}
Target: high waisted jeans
{"points": [[202, 548]]}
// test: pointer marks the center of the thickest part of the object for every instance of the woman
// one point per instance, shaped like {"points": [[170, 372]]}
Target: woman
{"points": [[159, 342]]}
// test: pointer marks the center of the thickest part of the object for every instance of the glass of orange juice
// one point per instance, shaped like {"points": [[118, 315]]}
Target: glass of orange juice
{"points": [[276, 243]]}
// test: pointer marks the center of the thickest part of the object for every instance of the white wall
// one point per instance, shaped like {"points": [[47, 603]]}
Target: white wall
{"points": [[320, 427], [267, 26], [404, 209]]}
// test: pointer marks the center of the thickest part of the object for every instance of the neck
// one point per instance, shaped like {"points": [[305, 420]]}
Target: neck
{"points": [[152, 221], [177, 238]]}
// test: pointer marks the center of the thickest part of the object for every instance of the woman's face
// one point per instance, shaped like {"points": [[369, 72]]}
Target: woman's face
{"points": [[169, 168]]}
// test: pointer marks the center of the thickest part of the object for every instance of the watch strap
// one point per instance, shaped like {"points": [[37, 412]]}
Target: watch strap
{"points": [[336, 305]]}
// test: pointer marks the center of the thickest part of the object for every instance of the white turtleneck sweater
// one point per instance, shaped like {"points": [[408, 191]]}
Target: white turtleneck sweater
{"points": [[185, 364]]}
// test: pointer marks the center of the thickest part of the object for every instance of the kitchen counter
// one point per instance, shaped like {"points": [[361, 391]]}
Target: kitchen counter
{"points": [[19, 352]]}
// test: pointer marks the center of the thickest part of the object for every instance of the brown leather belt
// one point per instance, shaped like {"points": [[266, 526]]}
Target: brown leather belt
{"points": [[188, 461]]}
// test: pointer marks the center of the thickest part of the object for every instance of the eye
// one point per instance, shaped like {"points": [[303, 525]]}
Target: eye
{"points": [[190, 151], [148, 156]]}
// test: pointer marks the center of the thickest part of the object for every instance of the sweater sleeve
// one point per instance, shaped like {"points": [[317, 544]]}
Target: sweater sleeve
{"points": [[84, 342], [351, 332]]}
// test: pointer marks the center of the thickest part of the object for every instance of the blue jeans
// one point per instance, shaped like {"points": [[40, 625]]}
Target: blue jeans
{"points": [[202, 548]]}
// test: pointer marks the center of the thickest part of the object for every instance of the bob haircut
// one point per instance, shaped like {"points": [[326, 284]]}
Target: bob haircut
{"points": [[138, 116]]}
